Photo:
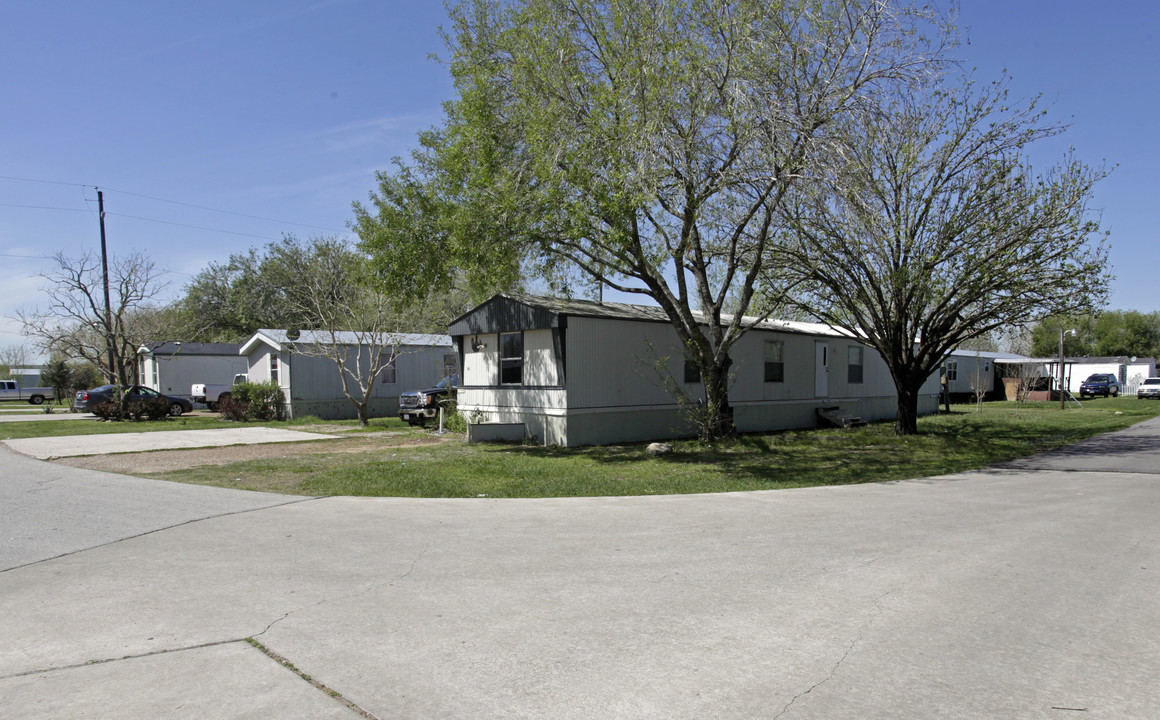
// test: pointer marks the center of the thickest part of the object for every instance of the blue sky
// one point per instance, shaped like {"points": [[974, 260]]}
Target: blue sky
{"points": [[283, 111]]}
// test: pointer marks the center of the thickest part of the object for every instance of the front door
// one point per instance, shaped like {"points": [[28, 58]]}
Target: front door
{"points": [[822, 369]]}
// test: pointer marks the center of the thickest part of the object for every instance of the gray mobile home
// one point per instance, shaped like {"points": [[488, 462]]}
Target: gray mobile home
{"points": [[577, 372], [313, 384], [172, 367]]}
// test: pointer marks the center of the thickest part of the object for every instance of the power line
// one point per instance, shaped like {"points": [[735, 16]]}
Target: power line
{"points": [[224, 212], [28, 257], [164, 200], [44, 207], [46, 182], [195, 227]]}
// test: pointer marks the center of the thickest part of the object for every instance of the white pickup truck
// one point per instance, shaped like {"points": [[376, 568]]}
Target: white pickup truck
{"points": [[11, 390], [212, 395]]}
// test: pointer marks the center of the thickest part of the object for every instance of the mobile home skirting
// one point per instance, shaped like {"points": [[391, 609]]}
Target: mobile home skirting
{"points": [[602, 426]]}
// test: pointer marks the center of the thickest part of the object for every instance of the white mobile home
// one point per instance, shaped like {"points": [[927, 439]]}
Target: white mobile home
{"points": [[1131, 371], [313, 384], [172, 367], [971, 370], [577, 372]]}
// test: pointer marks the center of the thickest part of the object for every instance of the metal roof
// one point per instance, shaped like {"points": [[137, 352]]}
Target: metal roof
{"points": [[546, 311], [175, 347], [280, 338]]}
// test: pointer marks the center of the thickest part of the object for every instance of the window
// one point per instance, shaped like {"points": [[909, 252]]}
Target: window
{"points": [[952, 370], [274, 369], [774, 361], [692, 372], [854, 371], [387, 367], [511, 358]]}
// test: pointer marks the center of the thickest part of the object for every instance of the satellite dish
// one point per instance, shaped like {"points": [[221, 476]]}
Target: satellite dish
{"points": [[293, 334]]}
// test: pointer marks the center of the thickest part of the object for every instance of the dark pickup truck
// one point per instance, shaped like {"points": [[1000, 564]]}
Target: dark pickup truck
{"points": [[1100, 384], [417, 406]]}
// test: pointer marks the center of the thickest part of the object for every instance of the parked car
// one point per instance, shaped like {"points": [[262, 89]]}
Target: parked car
{"points": [[1150, 388], [418, 406], [88, 399], [11, 390], [1100, 384]]}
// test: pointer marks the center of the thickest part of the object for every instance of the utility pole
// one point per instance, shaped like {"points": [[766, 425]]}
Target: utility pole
{"points": [[115, 376]]}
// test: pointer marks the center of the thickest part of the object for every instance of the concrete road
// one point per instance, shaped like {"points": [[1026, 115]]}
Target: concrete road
{"points": [[48, 510], [1016, 592]]}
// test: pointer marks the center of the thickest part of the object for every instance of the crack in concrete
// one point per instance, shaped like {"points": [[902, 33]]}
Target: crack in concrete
{"points": [[348, 596], [334, 694], [877, 609], [87, 663], [161, 529], [833, 672]]}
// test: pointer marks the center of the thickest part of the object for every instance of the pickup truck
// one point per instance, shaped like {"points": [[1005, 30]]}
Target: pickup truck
{"points": [[418, 406], [11, 390], [212, 395]]}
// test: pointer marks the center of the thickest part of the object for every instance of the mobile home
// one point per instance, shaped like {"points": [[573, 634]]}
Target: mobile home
{"points": [[172, 367], [578, 372], [313, 383]]}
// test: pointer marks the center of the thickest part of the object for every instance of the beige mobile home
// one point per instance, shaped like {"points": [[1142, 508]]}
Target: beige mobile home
{"points": [[577, 372], [313, 385]]}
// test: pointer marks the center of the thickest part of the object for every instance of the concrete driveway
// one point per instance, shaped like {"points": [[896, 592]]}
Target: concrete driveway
{"points": [[1028, 591], [44, 448]]}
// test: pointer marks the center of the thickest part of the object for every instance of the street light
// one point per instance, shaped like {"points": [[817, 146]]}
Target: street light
{"points": [[1062, 332]]}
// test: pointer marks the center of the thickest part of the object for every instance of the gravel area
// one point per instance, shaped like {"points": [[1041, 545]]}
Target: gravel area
{"points": [[169, 460]]}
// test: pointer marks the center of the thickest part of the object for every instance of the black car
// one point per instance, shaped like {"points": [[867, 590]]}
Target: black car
{"points": [[88, 399], [1100, 384]]}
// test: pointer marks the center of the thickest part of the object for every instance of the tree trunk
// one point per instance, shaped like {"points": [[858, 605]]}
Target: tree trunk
{"points": [[906, 422], [717, 419]]}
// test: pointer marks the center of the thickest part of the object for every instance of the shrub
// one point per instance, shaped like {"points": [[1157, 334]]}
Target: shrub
{"points": [[453, 420], [136, 411], [108, 411], [150, 409], [231, 408], [257, 402]]}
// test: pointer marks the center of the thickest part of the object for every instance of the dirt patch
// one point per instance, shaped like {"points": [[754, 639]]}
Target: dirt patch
{"points": [[169, 460]]}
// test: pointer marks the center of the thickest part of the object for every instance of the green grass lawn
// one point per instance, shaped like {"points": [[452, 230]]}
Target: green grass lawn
{"points": [[961, 440], [22, 407]]}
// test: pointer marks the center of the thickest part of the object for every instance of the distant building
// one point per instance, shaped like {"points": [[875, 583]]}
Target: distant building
{"points": [[172, 367], [313, 384]]}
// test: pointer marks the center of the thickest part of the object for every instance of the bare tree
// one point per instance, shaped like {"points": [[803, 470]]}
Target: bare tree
{"points": [[980, 380], [936, 231], [1026, 375], [74, 323], [12, 357], [359, 329]]}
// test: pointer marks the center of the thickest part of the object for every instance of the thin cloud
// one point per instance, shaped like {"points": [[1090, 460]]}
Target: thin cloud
{"points": [[255, 24]]}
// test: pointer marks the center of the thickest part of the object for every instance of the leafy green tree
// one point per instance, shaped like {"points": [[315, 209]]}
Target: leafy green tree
{"points": [[936, 231], [642, 145], [57, 375], [1111, 333]]}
